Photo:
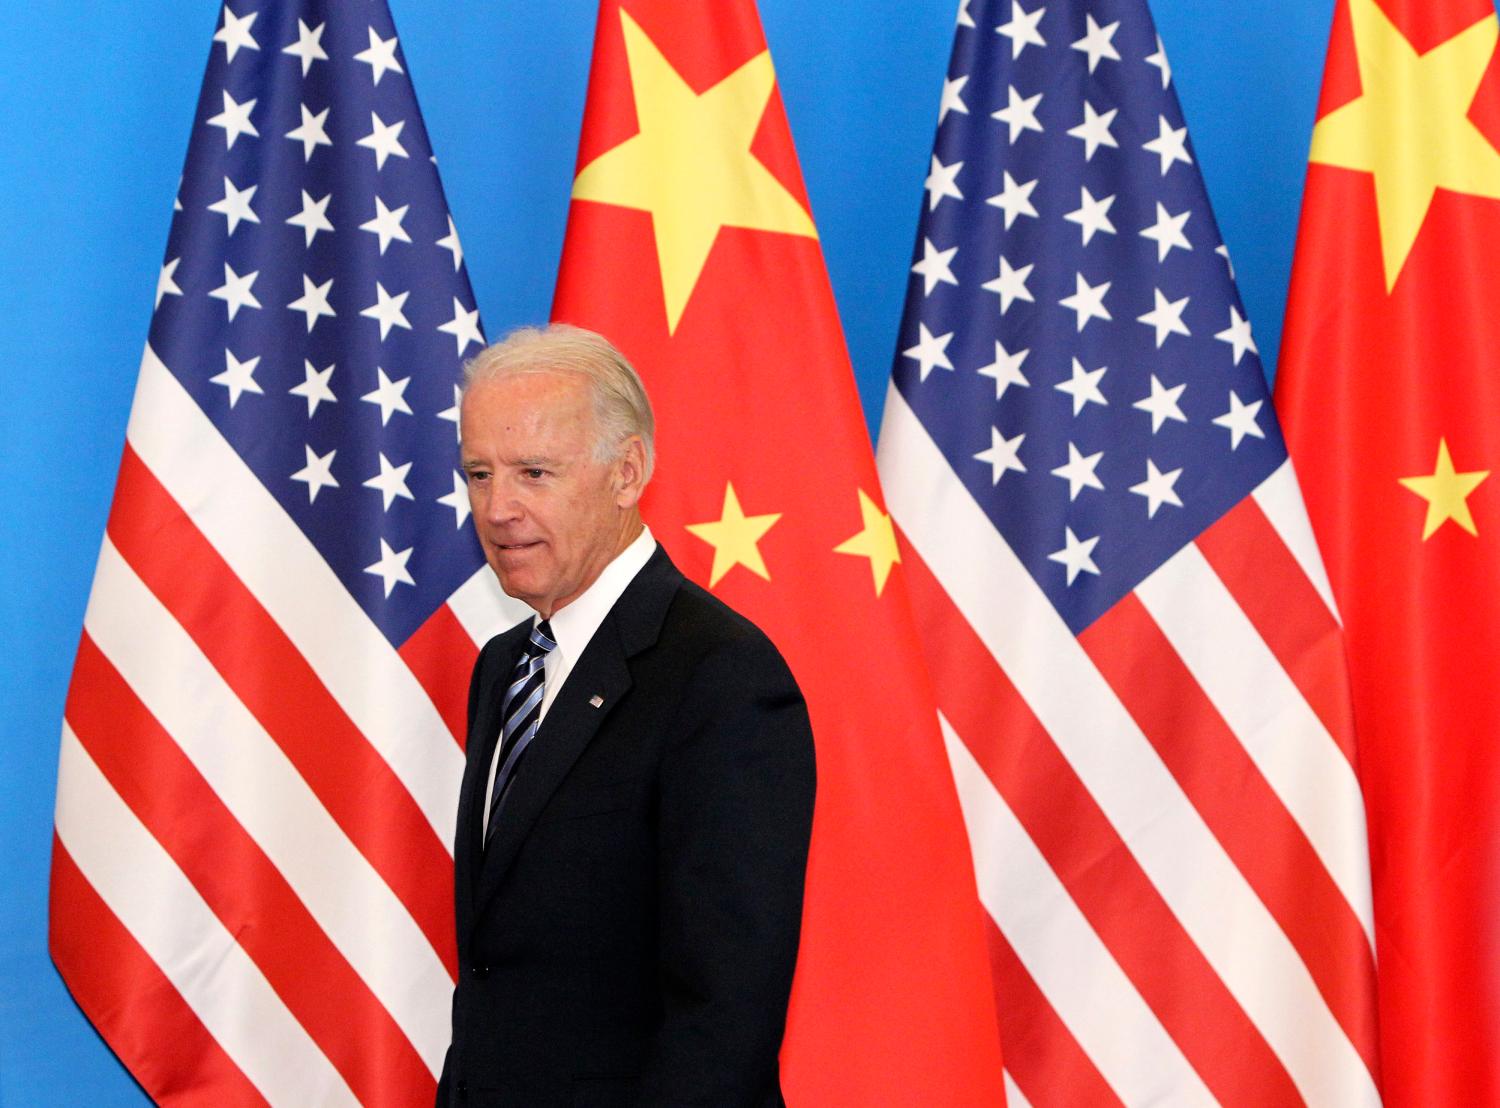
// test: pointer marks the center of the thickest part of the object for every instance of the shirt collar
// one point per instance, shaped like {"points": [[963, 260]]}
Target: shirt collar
{"points": [[574, 625]]}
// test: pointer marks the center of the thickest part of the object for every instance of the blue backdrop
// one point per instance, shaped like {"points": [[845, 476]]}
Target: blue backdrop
{"points": [[96, 100]]}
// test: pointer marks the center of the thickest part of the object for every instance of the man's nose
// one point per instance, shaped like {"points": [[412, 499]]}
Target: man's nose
{"points": [[501, 504]]}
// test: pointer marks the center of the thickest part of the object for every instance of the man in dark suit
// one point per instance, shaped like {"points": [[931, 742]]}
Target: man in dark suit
{"points": [[634, 818]]}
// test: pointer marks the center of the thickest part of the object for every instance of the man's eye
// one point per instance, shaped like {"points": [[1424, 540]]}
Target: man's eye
{"points": [[476, 475], [536, 474]]}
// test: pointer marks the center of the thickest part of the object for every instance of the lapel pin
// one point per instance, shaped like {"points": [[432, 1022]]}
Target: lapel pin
{"points": [[596, 701]]}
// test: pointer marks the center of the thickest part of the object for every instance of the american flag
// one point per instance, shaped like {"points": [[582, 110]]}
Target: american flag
{"points": [[262, 744], [1135, 650]]}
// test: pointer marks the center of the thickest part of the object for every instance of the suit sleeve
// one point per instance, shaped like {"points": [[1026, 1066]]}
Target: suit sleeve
{"points": [[736, 804]]}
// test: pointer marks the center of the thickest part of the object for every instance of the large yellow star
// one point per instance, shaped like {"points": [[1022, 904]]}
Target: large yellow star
{"points": [[1446, 493], [690, 165], [734, 536], [877, 541], [1410, 127]]}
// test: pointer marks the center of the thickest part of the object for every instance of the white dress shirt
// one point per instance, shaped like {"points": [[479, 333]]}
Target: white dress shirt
{"points": [[574, 625]]}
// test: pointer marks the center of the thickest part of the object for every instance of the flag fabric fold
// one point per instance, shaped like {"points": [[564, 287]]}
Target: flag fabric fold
{"points": [[1387, 387], [1135, 653], [262, 743], [691, 246]]}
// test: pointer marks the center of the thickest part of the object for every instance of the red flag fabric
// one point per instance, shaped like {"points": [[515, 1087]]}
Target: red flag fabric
{"points": [[691, 246], [1388, 387]]}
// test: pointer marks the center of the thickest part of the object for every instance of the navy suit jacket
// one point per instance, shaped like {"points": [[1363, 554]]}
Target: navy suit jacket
{"points": [[629, 935]]}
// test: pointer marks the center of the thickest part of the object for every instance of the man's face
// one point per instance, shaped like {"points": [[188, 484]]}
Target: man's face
{"points": [[550, 516]]}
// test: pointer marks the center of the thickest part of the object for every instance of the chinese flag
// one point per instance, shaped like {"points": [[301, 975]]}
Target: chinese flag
{"points": [[1389, 392], [690, 245]]}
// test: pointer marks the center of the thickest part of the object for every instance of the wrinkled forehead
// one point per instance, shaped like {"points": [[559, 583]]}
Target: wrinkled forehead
{"points": [[545, 370], [531, 386], [549, 405]]}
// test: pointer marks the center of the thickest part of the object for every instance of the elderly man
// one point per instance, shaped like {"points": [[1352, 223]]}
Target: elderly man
{"points": [[635, 812]]}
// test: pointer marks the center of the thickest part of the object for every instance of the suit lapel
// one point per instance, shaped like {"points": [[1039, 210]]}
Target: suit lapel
{"points": [[570, 725], [484, 733], [573, 720]]}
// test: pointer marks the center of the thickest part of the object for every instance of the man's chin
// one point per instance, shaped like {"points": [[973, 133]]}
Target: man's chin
{"points": [[516, 583]]}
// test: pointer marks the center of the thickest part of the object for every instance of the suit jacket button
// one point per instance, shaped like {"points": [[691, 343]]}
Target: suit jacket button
{"points": [[463, 1088], [479, 973]]}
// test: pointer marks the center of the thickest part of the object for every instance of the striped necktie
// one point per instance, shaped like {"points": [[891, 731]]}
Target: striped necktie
{"points": [[522, 712]]}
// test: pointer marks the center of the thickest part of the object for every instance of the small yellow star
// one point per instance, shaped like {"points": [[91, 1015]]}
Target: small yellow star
{"points": [[1410, 127], [877, 541], [690, 165], [1446, 493], [733, 537]]}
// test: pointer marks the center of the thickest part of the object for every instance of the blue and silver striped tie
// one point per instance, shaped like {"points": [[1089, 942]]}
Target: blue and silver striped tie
{"points": [[522, 713]]}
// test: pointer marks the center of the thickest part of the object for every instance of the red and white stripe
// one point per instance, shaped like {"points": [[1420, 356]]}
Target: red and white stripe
{"points": [[256, 794], [1167, 830]]}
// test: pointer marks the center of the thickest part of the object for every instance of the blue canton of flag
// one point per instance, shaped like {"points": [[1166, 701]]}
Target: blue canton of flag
{"points": [[1072, 337], [314, 301]]}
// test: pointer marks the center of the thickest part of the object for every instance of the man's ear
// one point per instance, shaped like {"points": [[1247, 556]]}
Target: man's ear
{"points": [[630, 473]]}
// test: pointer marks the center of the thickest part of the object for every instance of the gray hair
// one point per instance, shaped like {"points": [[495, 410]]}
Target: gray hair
{"points": [[621, 406]]}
